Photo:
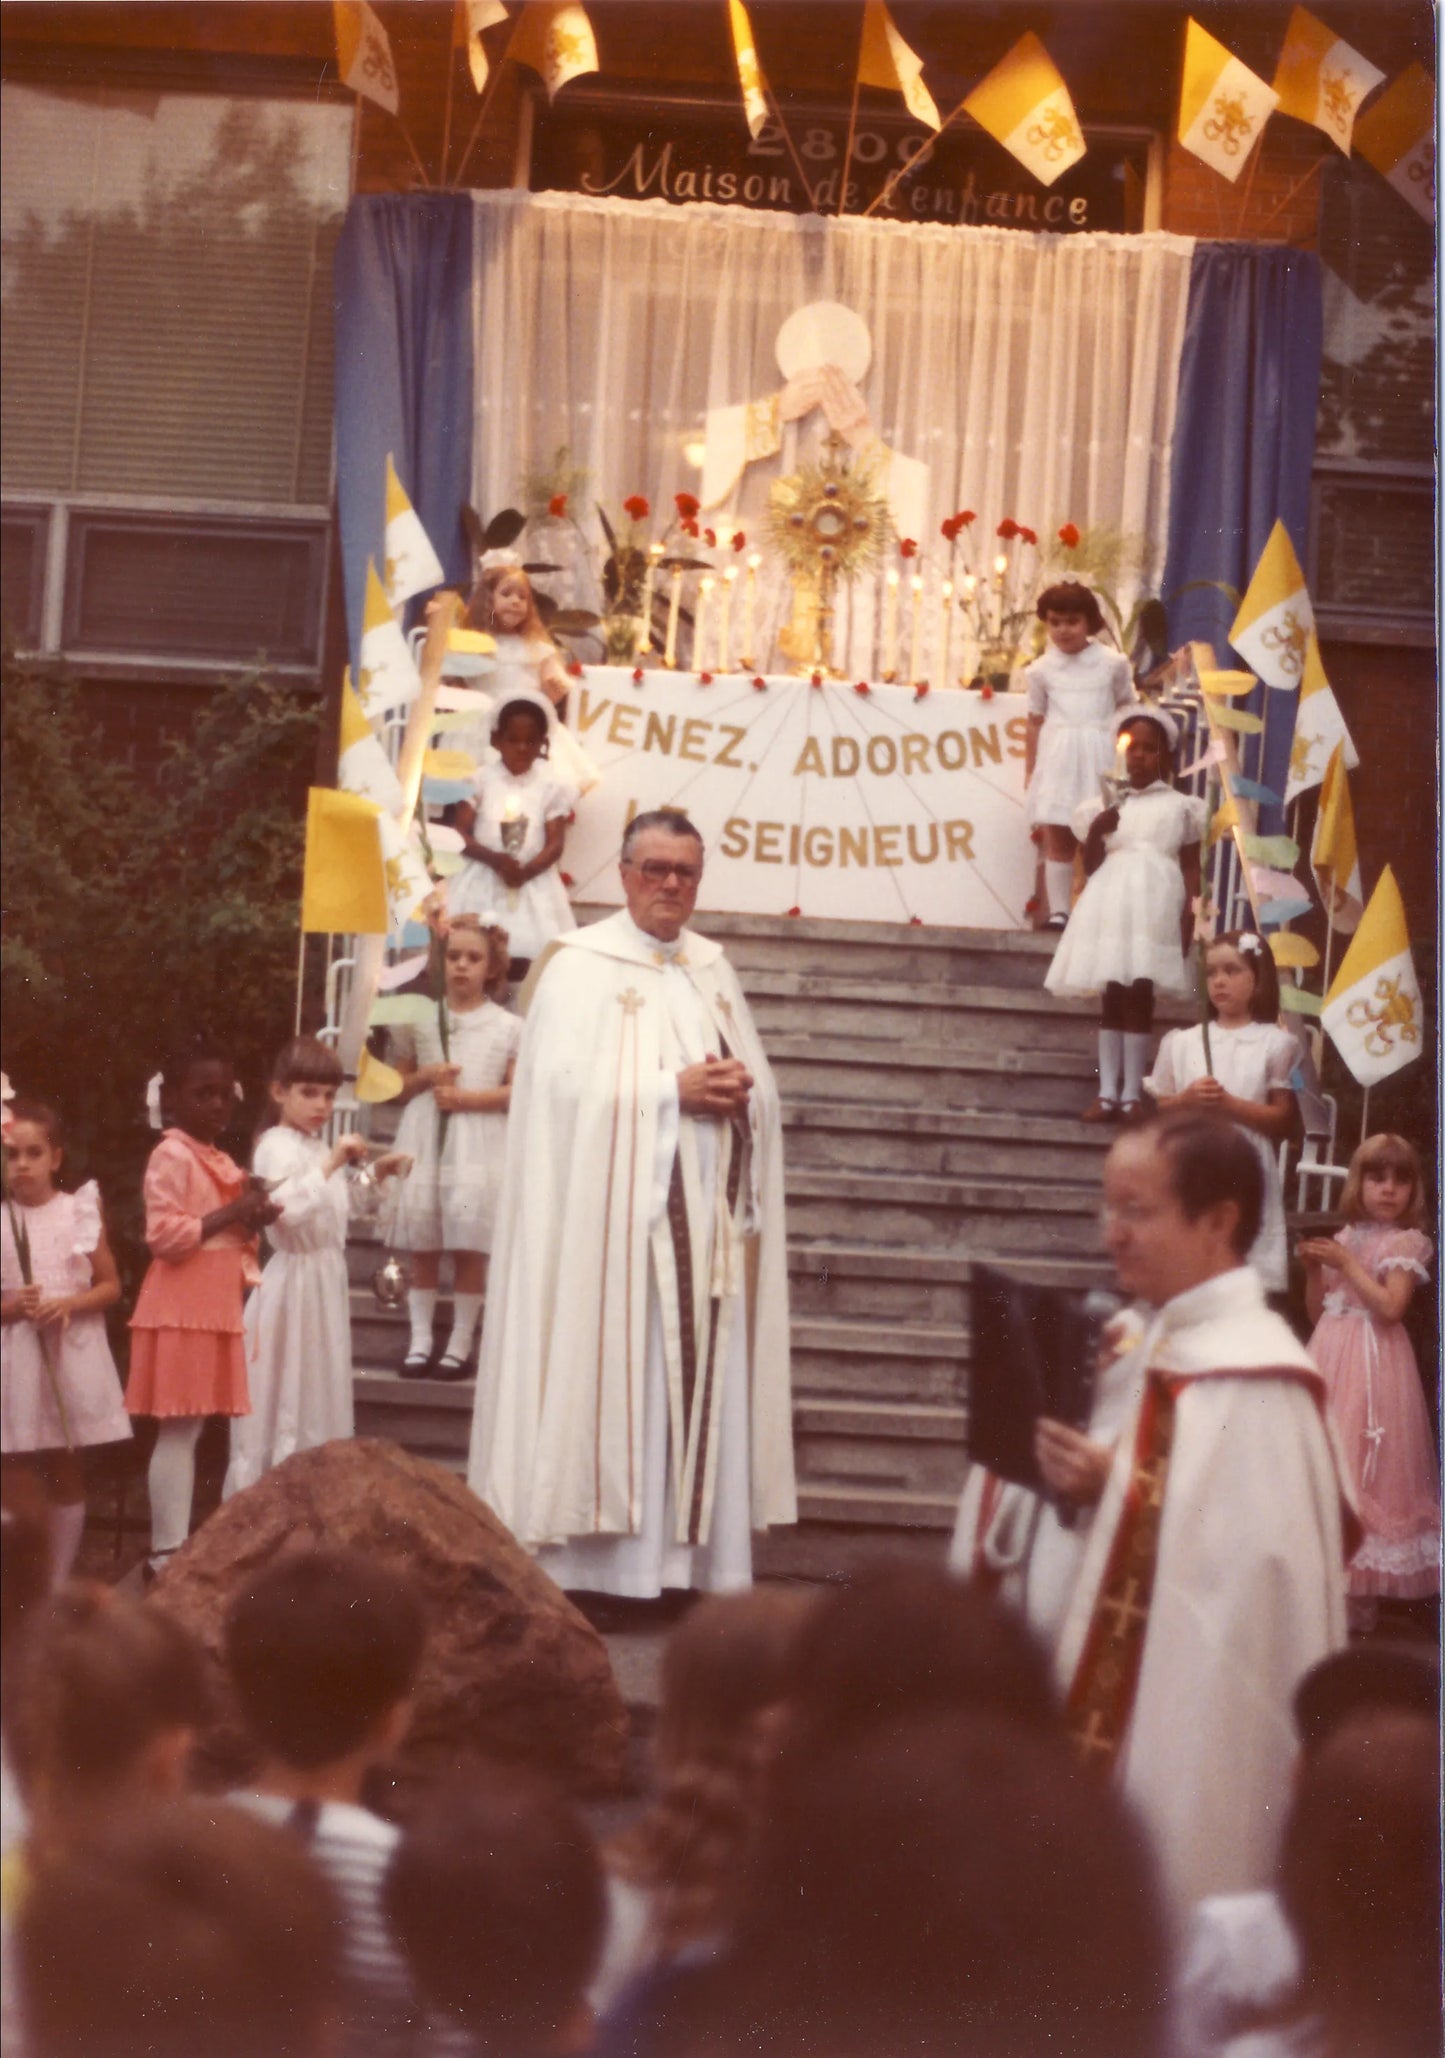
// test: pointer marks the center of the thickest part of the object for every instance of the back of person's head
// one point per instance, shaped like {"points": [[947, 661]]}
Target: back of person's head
{"points": [[1360, 1881], [1363, 1678], [904, 1638], [107, 1694], [949, 1883], [725, 1663], [321, 1647], [1210, 1160], [189, 1929], [497, 1899]]}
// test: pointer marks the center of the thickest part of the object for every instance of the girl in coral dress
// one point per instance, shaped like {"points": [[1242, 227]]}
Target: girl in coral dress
{"points": [[59, 1389], [187, 1357], [1358, 1286]]}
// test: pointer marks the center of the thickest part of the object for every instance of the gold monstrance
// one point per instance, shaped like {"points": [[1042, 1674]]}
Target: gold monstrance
{"points": [[827, 523]]}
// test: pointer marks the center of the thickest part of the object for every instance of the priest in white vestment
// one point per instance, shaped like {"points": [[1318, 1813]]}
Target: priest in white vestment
{"points": [[1213, 1576], [633, 1422]]}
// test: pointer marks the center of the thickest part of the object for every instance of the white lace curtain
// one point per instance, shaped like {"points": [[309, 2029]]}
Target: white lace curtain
{"points": [[1035, 376]]}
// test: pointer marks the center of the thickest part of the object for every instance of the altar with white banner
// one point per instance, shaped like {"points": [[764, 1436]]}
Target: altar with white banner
{"points": [[851, 802]]}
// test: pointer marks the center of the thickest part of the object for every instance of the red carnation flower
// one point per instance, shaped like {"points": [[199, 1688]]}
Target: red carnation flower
{"points": [[760, 684], [1069, 536], [1008, 528], [862, 686], [920, 691], [689, 528], [687, 505], [704, 678], [965, 517], [557, 505], [908, 548], [1028, 536], [637, 675], [795, 911], [566, 878], [637, 507], [709, 537], [985, 693], [574, 670], [949, 528], [739, 541], [1031, 905]]}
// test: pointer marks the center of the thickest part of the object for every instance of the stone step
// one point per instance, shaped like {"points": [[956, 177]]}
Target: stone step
{"points": [[917, 1211], [925, 1016], [865, 1285], [992, 1078], [860, 1504], [845, 1137]]}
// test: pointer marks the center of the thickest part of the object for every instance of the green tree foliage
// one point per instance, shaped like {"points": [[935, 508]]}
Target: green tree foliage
{"points": [[137, 916]]}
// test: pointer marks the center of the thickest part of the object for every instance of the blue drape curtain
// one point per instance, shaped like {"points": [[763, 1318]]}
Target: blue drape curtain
{"points": [[1244, 441], [404, 375]]}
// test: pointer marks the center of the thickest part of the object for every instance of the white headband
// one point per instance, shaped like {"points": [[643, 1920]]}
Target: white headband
{"points": [[500, 561]]}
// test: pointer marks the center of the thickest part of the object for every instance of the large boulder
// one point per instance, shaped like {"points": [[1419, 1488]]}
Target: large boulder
{"points": [[512, 1670]]}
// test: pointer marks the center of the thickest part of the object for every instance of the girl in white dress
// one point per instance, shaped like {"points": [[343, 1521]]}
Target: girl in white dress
{"points": [[513, 832], [57, 1276], [1075, 691], [525, 660], [457, 1065], [298, 1322], [1245, 1074], [1129, 936]]}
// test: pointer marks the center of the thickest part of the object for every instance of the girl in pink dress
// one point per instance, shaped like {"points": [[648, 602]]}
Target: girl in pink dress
{"points": [[59, 1389], [187, 1357], [1358, 1286]]}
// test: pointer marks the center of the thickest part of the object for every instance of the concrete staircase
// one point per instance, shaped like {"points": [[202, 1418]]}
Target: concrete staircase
{"points": [[931, 1093]]}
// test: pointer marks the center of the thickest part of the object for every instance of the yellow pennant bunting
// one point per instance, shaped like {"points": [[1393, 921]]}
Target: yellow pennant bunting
{"points": [[1397, 136], [1318, 728], [751, 83], [885, 60], [375, 1081], [472, 16], [1235, 718], [1025, 105], [1321, 80], [1293, 1000], [363, 54], [1290, 951], [1226, 685], [1334, 853], [1223, 105], [555, 38], [1282, 851], [1272, 627], [343, 890], [1226, 818], [449, 764], [1373, 1012]]}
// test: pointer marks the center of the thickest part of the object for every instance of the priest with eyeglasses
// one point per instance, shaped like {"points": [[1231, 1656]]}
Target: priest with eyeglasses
{"points": [[633, 1422]]}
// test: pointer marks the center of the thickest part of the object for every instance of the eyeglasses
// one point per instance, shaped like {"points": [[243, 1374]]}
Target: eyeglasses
{"points": [[656, 871]]}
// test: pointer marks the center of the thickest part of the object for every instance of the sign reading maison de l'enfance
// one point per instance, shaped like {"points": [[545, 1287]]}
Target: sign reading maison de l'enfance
{"points": [[631, 145]]}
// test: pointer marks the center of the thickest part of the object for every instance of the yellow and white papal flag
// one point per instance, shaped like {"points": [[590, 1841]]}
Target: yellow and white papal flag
{"points": [[1397, 136], [472, 16], [555, 38], [1025, 105], [1223, 105], [408, 882], [1334, 853], [386, 675], [1321, 80], [362, 765], [1319, 728], [412, 566], [1275, 617], [1373, 1012], [885, 60], [363, 54], [753, 85]]}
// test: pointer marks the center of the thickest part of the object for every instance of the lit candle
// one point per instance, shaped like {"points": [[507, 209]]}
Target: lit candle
{"points": [[1000, 565], [890, 629], [750, 596], [699, 628], [724, 650], [915, 641], [946, 596], [644, 626], [674, 604]]}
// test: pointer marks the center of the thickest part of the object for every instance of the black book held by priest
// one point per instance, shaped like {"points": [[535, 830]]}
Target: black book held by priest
{"points": [[1034, 1353]]}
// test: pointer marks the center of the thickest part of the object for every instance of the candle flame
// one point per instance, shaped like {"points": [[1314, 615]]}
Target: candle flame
{"points": [[893, 578], [754, 561], [916, 583], [1000, 563]]}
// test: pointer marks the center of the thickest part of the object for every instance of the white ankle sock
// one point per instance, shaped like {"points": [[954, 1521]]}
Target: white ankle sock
{"points": [[172, 1480], [1136, 1063], [1059, 884], [1111, 1059], [65, 1526], [466, 1307], [421, 1305]]}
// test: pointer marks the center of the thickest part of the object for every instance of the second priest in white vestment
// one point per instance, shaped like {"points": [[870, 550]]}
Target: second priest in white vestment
{"points": [[633, 1421]]}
